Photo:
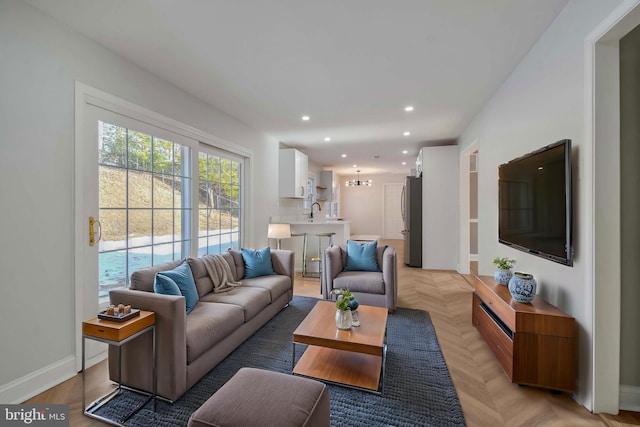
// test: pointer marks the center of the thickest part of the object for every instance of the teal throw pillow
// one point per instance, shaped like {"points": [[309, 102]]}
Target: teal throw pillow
{"points": [[361, 256], [257, 263], [165, 286], [183, 277]]}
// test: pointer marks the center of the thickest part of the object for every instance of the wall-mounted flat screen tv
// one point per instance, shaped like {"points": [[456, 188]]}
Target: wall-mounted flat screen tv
{"points": [[534, 194]]}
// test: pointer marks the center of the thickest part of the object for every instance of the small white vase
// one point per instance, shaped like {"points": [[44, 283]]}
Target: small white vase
{"points": [[343, 319]]}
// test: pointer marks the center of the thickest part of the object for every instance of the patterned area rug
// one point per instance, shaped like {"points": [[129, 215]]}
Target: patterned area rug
{"points": [[418, 390]]}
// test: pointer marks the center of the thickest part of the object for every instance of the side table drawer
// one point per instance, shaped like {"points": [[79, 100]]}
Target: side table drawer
{"points": [[499, 342], [113, 331]]}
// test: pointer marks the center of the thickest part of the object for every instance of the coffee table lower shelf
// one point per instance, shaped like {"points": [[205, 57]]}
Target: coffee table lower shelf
{"points": [[346, 368]]}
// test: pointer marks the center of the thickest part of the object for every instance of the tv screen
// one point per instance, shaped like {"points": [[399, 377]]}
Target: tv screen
{"points": [[534, 194]]}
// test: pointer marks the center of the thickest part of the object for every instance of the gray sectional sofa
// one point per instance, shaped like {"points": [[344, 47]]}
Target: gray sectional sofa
{"points": [[189, 346]]}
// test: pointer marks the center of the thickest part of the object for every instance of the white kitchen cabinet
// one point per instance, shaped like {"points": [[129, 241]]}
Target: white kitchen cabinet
{"points": [[294, 166]]}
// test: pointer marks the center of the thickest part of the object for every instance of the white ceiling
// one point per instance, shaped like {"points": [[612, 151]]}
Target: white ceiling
{"points": [[351, 65]]}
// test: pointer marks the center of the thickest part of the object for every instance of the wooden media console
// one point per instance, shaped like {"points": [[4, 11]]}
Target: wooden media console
{"points": [[535, 343]]}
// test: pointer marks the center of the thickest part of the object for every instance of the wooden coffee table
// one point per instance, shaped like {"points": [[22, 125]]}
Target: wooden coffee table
{"points": [[353, 358]]}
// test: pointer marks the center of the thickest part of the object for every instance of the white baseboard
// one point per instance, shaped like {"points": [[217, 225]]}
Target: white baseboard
{"points": [[630, 397], [34, 383]]}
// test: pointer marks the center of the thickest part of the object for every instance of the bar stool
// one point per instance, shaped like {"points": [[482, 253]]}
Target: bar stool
{"points": [[304, 251], [319, 259]]}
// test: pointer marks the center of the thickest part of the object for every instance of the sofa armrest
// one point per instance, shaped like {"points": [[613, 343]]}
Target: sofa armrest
{"points": [[283, 263], [390, 276], [332, 265], [171, 344]]}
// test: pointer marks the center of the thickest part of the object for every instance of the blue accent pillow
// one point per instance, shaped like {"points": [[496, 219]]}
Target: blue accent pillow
{"points": [[183, 277], [361, 256], [165, 286], [257, 263]]}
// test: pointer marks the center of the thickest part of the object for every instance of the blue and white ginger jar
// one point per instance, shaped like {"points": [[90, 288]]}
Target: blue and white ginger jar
{"points": [[502, 276], [522, 287]]}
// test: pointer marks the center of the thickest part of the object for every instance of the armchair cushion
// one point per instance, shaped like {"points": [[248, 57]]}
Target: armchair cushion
{"points": [[361, 256], [369, 282]]}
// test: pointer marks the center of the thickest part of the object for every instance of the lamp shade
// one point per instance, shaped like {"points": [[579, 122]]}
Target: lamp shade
{"points": [[279, 231]]}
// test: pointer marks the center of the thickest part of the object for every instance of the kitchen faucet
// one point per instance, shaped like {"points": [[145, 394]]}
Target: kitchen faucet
{"points": [[319, 209]]}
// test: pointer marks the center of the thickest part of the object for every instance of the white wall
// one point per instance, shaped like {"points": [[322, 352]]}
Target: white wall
{"points": [[364, 206], [541, 102], [41, 59]]}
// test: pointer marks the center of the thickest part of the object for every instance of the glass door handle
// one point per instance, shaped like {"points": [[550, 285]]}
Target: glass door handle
{"points": [[92, 231]]}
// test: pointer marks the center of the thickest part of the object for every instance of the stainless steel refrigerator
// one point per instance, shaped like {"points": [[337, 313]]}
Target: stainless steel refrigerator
{"points": [[411, 205]]}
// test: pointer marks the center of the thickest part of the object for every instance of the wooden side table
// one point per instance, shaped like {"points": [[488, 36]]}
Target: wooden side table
{"points": [[118, 334]]}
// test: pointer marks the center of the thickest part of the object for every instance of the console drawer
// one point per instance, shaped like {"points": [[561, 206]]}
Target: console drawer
{"points": [[498, 340], [497, 304]]}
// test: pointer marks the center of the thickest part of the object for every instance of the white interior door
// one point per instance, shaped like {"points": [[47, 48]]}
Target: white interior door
{"points": [[393, 224]]}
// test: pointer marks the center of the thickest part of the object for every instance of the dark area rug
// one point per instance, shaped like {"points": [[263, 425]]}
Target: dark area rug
{"points": [[418, 390]]}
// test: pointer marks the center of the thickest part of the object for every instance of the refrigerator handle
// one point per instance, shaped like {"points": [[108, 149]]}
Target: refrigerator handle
{"points": [[402, 195]]}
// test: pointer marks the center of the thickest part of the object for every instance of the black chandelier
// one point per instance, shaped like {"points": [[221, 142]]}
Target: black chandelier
{"points": [[357, 183]]}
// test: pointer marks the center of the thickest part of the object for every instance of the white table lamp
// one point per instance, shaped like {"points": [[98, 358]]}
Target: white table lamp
{"points": [[279, 232]]}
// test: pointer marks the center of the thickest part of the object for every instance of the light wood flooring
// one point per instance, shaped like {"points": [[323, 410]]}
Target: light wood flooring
{"points": [[486, 395]]}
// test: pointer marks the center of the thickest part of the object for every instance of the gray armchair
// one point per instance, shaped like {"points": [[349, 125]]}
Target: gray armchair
{"points": [[370, 288]]}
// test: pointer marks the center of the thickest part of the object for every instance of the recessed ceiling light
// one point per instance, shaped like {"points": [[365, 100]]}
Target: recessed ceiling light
{"points": [[407, 133], [408, 108], [344, 155], [305, 118], [355, 166], [405, 151], [404, 163], [327, 139]]}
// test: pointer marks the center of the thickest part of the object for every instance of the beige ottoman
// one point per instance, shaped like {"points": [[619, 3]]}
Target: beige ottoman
{"points": [[255, 397]]}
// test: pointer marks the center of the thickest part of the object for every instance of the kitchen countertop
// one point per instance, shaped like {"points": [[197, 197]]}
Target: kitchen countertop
{"points": [[314, 222]]}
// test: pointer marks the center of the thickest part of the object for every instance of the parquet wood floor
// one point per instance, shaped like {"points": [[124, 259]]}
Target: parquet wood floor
{"points": [[486, 395]]}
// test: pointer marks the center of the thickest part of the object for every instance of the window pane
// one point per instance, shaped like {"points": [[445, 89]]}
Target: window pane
{"points": [[162, 253], [202, 246], [162, 226], [112, 267], [139, 227], [113, 224], [235, 240], [139, 258], [112, 143], [226, 169], [162, 191], [113, 187], [139, 189], [139, 150], [162, 156], [177, 224]]}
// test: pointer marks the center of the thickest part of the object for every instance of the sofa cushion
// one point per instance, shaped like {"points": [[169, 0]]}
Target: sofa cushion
{"points": [[142, 280], [202, 279], [257, 262], [184, 279], [238, 261], [251, 299], [165, 286], [208, 324], [361, 256], [275, 284], [360, 281]]}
